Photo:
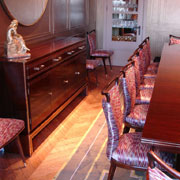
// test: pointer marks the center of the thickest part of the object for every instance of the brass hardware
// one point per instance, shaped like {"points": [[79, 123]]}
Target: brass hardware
{"points": [[50, 93], [77, 73], [71, 52], [57, 59], [36, 68], [66, 81], [39, 68], [42, 66], [81, 47]]}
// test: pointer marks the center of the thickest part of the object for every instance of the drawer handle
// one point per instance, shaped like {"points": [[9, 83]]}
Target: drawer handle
{"points": [[50, 93], [81, 47], [77, 73], [66, 81], [71, 52], [57, 59], [39, 68]]}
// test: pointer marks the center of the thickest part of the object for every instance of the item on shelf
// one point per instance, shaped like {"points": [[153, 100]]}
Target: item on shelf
{"points": [[15, 46]]}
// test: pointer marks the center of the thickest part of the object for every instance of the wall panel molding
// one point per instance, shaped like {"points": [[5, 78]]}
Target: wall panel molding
{"points": [[162, 20]]}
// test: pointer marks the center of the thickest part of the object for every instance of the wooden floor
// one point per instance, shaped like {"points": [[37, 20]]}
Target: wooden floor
{"points": [[55, 145]]}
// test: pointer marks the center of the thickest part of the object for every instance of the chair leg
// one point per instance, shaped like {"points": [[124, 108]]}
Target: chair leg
{"points": [[111, 170], [87, 74], [104, 65], [110, 62], [20, 150], [96, 77]]}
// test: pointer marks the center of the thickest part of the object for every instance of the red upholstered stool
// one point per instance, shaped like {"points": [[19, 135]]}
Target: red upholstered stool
{"points": [[9, 131], [91, 65]]}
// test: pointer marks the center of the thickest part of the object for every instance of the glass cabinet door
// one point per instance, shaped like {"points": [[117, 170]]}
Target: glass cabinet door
{"points": [[125, 20]]}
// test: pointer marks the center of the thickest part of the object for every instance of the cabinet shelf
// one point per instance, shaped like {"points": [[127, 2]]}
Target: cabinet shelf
{"points": [[124, 20], [124, 12]]}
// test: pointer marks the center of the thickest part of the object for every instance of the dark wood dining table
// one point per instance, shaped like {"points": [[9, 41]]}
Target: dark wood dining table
{"points": [[162, 127]]}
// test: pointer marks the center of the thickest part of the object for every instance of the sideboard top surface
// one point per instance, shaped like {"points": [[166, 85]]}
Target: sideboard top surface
{"points": [[46, 48]]}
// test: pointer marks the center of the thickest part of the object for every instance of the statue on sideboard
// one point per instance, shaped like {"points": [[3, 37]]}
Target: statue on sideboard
{"points": [[15, 45]]}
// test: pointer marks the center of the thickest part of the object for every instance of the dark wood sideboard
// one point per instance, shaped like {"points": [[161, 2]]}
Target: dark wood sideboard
{"points": [[38, 88]]}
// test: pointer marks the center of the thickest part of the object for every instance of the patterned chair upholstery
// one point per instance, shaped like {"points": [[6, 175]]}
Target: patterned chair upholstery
{"points": [[135, 114], [154, 173], [124, 150], [9, 131], [146, 73], [152, 64], [98, 53], [147, 80], [141, 83], [174, 39], [91, 65]]}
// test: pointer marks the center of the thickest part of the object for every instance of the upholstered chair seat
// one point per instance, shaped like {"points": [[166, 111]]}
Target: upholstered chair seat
{"points": [[148, 83], [92, 63], [144, 96], [156, 174], [101, 53], [9, 131], [159, 169], [150, 75], [137, 117], [124, 150], [131, 152]]}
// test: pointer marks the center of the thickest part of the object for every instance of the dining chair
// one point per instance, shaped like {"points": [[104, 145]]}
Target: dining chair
{"points": [[9, 131], [91, 65], [141, 82], [143, 91], [124, 150], [134, 114], [154, 173], [174, 39], [148, 73], [152, 66], [98, 53]]}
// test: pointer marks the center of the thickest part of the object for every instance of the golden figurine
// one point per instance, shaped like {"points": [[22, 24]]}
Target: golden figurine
{"points": [[15, 45]]}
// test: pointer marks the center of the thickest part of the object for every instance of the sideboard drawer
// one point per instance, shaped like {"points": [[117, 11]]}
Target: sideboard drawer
{"points": [[39, 88]]}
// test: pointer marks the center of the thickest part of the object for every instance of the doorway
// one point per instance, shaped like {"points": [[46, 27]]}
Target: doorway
{"points": [[123, 28]]}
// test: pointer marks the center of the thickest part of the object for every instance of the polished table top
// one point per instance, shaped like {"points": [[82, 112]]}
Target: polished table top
{"points": [[162, 127]]}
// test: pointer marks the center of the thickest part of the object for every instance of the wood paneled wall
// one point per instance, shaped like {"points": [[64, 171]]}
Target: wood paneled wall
{"points": [[61, 18], [162, 19]]}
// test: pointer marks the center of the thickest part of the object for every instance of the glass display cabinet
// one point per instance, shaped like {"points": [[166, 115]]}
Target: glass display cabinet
{"points": [[125, 20]]}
